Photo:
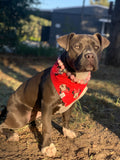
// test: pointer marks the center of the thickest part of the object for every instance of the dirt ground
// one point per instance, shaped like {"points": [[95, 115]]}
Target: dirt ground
{"points": [[95, 119]]}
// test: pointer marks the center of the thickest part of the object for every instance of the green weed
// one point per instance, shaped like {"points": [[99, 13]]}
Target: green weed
{"points": [[118, 101]]}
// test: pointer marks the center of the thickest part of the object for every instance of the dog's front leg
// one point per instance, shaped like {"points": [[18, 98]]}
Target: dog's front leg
{"points": [[66, 118], [48, 148]]}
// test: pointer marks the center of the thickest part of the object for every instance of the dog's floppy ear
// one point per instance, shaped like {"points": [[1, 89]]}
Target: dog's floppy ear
{"points": [[63, 41], [104, 42]]}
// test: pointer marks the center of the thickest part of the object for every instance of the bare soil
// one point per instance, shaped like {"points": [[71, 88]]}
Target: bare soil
{"points": [[95, 120]]}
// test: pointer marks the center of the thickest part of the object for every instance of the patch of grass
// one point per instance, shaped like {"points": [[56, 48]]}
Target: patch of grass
{"points": [[78, 111], [80, 118], [118, 101]]}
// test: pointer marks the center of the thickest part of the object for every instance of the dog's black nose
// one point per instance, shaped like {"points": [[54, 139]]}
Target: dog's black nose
{"points": [[89, 56]]}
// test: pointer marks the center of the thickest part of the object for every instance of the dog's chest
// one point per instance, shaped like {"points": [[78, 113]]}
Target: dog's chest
{"points": [[63, 108]]}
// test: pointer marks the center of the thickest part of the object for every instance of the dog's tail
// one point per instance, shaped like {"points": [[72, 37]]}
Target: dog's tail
{"points": [[3, 113]]}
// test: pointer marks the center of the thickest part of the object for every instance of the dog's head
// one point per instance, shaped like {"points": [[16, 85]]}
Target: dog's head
{"points": [[83, 51]]}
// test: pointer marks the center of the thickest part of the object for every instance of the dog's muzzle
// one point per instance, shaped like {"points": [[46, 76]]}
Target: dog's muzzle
{"points": [[91, 63], [86, 62]]}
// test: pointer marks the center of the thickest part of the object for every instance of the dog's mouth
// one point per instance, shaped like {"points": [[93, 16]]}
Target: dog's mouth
{"points": [[83, 64], [90, 67], [86, 67]]}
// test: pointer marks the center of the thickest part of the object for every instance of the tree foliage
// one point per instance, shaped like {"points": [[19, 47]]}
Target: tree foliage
{"points": [[11, 12], [32, 29], [100, 2]]}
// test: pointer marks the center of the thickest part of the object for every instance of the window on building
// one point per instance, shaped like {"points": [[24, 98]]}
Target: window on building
{"points": [[105, 27]]}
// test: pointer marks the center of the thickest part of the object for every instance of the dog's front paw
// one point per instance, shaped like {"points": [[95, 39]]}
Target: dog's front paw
{"points": [[49, 151], [69, 133]]}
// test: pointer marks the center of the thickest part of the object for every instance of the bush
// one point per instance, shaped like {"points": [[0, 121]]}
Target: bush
{"points": [[25, 50]]}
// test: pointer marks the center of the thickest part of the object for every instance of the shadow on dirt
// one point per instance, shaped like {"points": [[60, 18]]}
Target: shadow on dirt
{"points": [[102, 111], [37, 134], [22, 73], [10, 72], [107, 73], [5, 92]]}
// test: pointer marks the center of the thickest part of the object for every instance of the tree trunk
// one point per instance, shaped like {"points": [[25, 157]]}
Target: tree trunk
{"points": [[113, 53]]}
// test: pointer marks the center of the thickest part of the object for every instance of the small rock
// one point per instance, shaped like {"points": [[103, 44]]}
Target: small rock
{"points": [[14, 137]]}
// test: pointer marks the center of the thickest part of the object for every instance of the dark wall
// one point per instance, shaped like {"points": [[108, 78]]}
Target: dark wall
{"points": [[45, 34], [68, 23], [72, 22]]}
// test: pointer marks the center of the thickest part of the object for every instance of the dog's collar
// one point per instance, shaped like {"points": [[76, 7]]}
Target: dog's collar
{"points": [[70, 75]]}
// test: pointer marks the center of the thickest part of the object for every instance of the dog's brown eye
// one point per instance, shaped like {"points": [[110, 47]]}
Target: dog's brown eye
{"points": [[77, 47], [96, 47]]}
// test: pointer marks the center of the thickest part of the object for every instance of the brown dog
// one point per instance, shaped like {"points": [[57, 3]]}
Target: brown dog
{"points": [[56, 89]]}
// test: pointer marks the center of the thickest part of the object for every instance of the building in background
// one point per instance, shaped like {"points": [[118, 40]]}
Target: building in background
{"points": [[87, 20]]}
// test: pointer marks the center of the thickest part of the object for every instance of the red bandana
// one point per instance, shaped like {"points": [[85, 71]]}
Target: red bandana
{"points": [[68, 90]]}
